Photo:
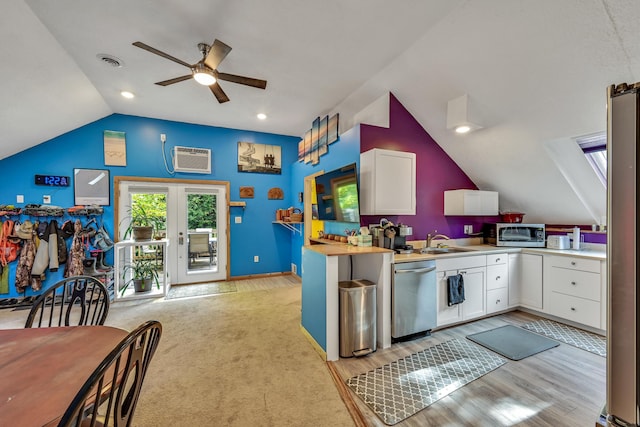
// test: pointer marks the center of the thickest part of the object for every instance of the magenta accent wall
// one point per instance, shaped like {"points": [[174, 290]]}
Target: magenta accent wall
{"points": [[436, 172]]}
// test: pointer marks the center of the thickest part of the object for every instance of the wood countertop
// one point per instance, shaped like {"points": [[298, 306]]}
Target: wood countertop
{"points": [[345, 249]]}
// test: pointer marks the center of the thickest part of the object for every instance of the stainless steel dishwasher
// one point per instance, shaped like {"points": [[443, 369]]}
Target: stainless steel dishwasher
{"points": [[413, 299]]}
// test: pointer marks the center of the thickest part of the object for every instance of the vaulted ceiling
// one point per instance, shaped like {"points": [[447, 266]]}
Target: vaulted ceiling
{"points": [[536, 71]]}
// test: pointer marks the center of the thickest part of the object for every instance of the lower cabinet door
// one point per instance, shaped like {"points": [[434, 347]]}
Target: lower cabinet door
{"points": [[474, 292], [446, 314]]}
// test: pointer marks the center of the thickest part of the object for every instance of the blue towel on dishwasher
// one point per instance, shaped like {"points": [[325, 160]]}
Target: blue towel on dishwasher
{"points": [[455, 286]]}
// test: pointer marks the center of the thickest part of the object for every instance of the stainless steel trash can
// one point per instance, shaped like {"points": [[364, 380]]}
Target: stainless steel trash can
{"points": [[357, 317]]}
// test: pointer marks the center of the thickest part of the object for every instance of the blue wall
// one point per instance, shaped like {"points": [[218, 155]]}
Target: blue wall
{"points": [[83, 148], [344, 151]]}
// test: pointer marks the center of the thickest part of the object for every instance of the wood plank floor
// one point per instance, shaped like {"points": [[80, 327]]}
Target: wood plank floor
{"points": [[563, 386]]}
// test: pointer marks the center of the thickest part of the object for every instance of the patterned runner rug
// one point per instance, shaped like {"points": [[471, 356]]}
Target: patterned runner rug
{"points": [[185, 291], [588, 341], [400, 389]]}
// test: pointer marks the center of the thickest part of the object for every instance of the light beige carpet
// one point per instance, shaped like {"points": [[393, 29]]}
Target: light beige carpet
{"points": [[234, 359]]}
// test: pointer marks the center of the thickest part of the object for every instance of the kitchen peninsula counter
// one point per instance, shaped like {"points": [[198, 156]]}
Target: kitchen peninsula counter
{"points": [[324, 266]]}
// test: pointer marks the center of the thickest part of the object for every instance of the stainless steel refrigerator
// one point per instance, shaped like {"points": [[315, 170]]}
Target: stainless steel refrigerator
{"points": [[623, 196]]}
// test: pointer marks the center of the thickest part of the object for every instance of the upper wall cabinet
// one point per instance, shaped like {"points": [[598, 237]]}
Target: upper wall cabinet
{"points": [[387, 182], [470, 202]]}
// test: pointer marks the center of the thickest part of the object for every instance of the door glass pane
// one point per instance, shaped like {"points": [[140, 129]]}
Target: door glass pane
{"points": [[202, 231]]}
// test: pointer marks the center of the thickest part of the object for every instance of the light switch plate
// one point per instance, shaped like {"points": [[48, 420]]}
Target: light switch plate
{"points": [[20, 198], [46, 199], [238, 220]]}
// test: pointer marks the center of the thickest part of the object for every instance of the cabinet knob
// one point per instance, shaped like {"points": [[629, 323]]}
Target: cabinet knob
{"points": [[573, 263], [497, 259], [497, 277], [573, 283], [498, 301], [573, 309]]}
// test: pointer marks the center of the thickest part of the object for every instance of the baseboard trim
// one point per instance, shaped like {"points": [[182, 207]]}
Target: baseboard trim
{"points": [[257, 276], [314, 343], [346, 396]]}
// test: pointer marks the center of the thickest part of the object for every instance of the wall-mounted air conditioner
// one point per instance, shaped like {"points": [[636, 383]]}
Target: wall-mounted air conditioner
{"points": [[193, 160]]}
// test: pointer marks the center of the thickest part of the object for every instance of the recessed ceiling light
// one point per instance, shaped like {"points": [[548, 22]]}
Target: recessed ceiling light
{"points": [[127, 94], [261, 116], [463, 129]]}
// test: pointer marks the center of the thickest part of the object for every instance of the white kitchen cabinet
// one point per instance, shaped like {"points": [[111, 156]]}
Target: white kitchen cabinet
{"points": [[497, 282], [515, 277], [473, 270], [573, 289], [531, 281], [470, 202], [387, 182]]}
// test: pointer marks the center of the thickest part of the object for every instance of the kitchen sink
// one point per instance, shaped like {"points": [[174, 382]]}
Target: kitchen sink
{"points": [[444, 250]]}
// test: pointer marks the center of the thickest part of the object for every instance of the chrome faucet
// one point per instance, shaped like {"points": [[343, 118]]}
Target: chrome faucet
{"points": [[431, 237]]}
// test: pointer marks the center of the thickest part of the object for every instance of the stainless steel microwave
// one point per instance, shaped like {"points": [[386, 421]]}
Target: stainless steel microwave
{"points": [[515, 234]]}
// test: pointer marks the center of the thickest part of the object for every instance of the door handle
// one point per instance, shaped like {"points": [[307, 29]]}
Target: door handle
{"points": [[180, 238], [417, 270]]}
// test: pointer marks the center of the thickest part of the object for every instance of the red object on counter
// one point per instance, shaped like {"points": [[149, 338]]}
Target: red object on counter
{"points": [[512, 217]]}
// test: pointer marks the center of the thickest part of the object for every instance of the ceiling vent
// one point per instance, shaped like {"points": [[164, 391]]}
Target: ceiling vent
{"points": [[110, 60], [192, 160]]}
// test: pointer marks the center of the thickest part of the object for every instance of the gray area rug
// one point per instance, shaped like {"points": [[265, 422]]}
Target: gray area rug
{"points": [[400, 389], [584, 340], [186, 291], [513, 342]]}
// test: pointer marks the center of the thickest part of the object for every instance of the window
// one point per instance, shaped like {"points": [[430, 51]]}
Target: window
{"points": [[594, 148]]}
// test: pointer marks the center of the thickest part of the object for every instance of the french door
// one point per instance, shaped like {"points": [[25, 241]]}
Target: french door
{"points": [[194, 217]]}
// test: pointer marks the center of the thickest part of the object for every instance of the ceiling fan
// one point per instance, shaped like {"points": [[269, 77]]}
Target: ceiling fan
{"points": [[206, 71]]}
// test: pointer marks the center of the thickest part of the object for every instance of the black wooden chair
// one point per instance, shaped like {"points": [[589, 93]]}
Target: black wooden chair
{"points": [[75, 301], [110, 395]]}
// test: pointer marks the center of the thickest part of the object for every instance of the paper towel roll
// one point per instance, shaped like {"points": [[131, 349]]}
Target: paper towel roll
{"points": [[576, 238]]}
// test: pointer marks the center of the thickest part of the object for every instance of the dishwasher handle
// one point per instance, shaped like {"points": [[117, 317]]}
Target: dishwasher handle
{"points": [[416, 270]]}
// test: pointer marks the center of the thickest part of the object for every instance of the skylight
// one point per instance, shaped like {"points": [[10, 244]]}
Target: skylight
{"points": [[594, 147]]}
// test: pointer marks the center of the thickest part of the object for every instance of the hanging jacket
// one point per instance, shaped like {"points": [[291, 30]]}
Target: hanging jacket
{"points": [[41, 261], [52, 230], [25, 264], [74, 265]]}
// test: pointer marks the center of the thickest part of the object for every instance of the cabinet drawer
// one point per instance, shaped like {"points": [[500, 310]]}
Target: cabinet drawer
{"points": [[575, 309], [461, 263], [495, 259], [573, 263], [497, 276], [497, 300], [577, 283]]}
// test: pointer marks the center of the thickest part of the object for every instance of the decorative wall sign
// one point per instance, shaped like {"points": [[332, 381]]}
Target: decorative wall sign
{"points": [[275, 194], [332, 130], [323, 136], [115, 148], [259, 158], [91, 186], [246, 192], [315, 141], [307, 146]]}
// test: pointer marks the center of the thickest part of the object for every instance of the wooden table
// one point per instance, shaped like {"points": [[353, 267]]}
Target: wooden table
{"points": [[42, 369]]}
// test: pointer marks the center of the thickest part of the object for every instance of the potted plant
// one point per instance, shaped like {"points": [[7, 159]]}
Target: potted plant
{"points": [[142, 273], [141, 224]]}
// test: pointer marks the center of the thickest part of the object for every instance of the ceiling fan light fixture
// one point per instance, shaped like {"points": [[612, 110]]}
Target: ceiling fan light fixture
{"points": [[203, 75]]}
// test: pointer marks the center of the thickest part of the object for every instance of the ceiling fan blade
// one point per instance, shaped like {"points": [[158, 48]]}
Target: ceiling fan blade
{"points": [[261, 84], [160, 53], [174, 80], [217, 52], [219, 93]]}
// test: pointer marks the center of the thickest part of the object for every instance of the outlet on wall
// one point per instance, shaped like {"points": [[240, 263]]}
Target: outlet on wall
{"points": [[256, 258], [468, 229]]}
